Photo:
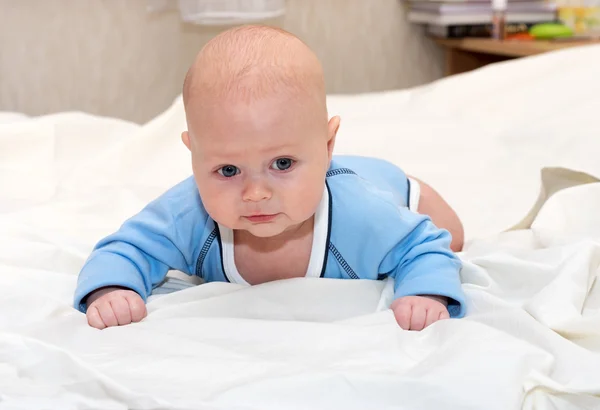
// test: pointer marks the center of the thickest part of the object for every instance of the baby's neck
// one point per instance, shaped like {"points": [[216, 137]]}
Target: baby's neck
{"points": [[284, 256]]}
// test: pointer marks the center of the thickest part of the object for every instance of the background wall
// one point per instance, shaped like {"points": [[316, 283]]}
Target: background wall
{"points": [[110, 57]]}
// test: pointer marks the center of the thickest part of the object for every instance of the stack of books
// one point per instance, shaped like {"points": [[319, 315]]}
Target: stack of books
{"points": [[473, 18]]}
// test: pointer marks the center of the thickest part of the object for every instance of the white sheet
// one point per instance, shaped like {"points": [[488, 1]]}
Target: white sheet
{"points": [[532, 336]]}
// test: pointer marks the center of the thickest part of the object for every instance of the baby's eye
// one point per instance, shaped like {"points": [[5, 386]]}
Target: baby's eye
{"points": [[229, 171], [282, 164]]}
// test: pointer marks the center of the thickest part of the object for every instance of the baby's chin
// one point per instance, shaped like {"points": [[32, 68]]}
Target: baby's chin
{"points": [[271, 230], [282, 226], [267, 230]]}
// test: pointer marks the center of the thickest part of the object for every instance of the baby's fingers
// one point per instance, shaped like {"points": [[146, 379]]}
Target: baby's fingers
{"points": [[137, 307], [94, 319], [419, 318], [120, 308], [106, 313], [434, 314], [403, 313]]}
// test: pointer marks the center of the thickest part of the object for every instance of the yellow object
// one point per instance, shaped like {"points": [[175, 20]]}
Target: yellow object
{"points": [[583, 20]]}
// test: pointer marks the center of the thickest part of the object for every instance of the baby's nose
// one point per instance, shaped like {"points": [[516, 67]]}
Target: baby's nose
{"points": [[256, 190]]}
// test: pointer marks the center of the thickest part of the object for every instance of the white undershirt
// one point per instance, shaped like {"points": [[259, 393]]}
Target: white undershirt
{"points": [[414, 195], [317, 253]]}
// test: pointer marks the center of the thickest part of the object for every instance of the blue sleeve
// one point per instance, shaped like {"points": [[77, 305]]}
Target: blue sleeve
{"points": [[139, 255], [425, 265]]}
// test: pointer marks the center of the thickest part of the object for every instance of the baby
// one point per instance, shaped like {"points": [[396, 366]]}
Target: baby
{"points": [[268, 201]]}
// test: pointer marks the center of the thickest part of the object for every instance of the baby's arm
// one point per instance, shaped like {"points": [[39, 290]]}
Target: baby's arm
{"points": [[427, 276], [125, 266]]}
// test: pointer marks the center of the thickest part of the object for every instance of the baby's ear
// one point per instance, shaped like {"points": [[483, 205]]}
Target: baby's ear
{"points": [[332, 129], [185, 137]]}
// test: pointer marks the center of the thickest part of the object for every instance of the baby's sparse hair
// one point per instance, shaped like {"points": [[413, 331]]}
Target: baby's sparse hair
{"points": [[253, 61]]}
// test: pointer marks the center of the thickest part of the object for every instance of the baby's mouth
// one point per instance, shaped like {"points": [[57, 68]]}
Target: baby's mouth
{"points": [[261, 218]]}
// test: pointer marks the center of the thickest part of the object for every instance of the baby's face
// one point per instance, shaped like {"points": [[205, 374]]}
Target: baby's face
{"points": [[259, 167]]}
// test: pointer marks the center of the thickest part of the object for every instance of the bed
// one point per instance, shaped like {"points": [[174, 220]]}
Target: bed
{"points": [[513, 147]]}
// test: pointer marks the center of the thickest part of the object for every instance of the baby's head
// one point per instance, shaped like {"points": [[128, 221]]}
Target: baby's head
{"points": [[258, 129]]}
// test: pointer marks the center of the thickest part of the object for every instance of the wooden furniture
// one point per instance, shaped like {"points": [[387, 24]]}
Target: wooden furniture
{"points": [[471, 53]]}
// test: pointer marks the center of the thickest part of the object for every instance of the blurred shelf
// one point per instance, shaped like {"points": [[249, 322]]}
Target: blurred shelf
{"points": [[471, 53]]}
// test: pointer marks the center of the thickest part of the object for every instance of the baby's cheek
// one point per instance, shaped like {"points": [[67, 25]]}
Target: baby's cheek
{"points": [[218, 207], [304, 202]]}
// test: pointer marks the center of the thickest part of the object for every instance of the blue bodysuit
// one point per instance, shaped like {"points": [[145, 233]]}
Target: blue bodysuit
{"points": [[363, 229]]}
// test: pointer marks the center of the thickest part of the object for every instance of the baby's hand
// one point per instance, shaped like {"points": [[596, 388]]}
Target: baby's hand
{"points": [[418, 312], [113, 306]]}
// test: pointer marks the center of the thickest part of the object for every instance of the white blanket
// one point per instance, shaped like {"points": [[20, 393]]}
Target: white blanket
{"points": [[532, 336]]}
